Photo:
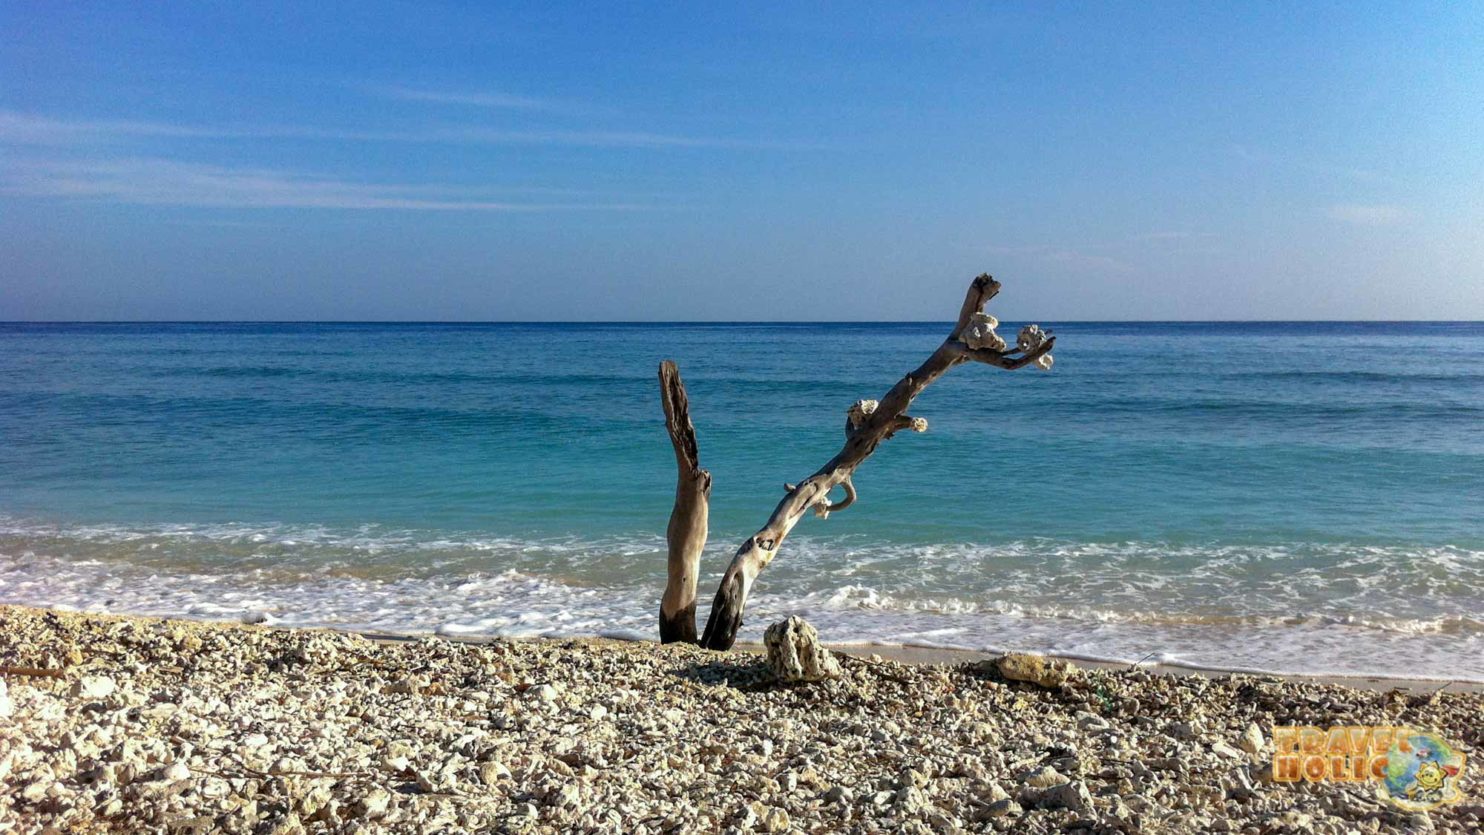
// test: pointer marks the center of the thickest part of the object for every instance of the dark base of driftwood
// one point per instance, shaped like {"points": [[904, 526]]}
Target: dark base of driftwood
{"points": [[679, 629], [726, 616]]}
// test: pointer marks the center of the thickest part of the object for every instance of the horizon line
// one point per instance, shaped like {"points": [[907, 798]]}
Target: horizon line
{"points": [[723, 321]]}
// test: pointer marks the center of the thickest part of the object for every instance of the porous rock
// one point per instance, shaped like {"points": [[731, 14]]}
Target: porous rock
{"points": [[1036, 669], [795, 654]]}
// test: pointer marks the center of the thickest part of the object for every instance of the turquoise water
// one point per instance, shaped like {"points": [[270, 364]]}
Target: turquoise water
{"points": [[1295, 497]]}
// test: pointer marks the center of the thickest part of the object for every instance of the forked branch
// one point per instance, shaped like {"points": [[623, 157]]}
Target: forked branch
{"points": [[868, 423]]}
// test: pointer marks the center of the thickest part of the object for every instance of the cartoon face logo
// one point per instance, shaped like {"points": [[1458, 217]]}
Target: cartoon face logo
{"points": [[1422, 773]]}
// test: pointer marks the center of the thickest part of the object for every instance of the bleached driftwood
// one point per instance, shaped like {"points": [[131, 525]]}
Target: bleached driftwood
{"points": [[686, 534], [867, 424]]}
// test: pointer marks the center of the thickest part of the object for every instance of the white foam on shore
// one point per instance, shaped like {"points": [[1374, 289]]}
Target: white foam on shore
{"points": [[513, 603], [1301, 608]]}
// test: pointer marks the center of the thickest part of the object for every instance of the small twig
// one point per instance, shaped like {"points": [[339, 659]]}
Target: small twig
{"points": [[34, 672], [1135, 665]]}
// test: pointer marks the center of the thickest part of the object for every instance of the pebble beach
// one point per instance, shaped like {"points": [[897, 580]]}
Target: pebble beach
{"points": [[115, 724]]}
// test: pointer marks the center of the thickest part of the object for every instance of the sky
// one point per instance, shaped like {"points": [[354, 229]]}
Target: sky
{"points": [[379, 161]]}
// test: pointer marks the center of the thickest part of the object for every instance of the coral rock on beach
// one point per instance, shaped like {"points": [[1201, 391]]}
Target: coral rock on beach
{"points": [[795, 653], [249, 730], [1036, 669]]}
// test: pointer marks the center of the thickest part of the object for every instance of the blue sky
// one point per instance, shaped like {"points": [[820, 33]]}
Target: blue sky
{"points": [[374, 161]]}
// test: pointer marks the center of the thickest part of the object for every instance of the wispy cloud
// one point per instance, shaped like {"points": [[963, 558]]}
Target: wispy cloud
{"points": [[590, 138], [171, 183], [1059, 256], [1322, 167], [496, 101], [1368, 214], [27, 129], [1171, 235]]}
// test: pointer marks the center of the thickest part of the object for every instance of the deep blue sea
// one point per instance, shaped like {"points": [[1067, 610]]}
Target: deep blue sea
{"points": [[1276, 496]]}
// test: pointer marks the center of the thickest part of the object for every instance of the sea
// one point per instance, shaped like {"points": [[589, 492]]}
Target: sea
{"points": [[1276, 497]]}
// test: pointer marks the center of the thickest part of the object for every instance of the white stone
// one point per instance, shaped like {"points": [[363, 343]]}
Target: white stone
{"points": [[375, 803], [1252, 740], [1225, 750], [93, 687], [545, 693], [493, 772]]}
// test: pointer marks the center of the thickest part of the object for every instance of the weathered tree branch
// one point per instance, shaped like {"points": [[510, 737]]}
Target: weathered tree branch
{"points": [[686, 534], [868, 423]]}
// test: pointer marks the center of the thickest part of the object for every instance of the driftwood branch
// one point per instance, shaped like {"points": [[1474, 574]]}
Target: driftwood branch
{"points": [[686, 534], [868, 423]]}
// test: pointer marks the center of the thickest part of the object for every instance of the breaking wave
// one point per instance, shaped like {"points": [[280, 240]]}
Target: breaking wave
{"points": [[1306, 608]]}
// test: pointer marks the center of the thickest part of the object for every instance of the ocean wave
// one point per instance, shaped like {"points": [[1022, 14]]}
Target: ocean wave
{"points": [[418, 581], [868, 599]]}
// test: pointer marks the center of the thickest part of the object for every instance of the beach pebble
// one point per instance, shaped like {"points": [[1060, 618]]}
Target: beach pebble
{"points": [[1091, 721], [775, 820], [1072, 795], [1252, 740], [492, 772], [1042, 777], [93, 687], [998, 809], [1226, 750], [374, 803], [674, 739], [910, 799], [911, 777]]}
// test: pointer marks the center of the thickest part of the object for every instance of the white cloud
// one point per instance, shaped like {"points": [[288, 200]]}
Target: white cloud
{"points": [[170, 183], [1368, 214], [28, 129], [504, 101], [1166, 235], [1059, 256]]}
